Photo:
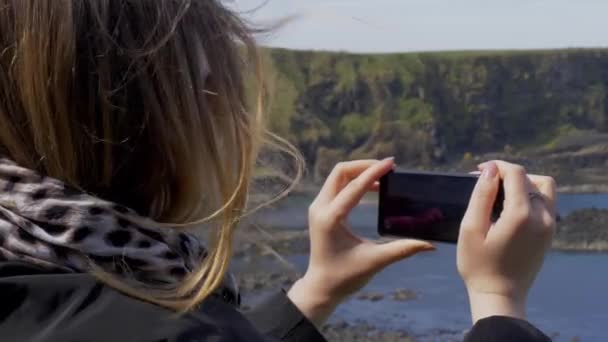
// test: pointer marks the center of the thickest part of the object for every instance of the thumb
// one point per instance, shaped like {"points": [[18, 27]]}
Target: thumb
{"points": [[391, 252], [478, 217]]}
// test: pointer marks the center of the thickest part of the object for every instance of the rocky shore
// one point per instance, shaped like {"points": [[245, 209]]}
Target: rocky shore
{"points": [[360, 332], [583, 230], [261, 264]]}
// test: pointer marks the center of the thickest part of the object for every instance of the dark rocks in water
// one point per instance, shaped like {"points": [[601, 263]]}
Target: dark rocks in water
{"points": [[557, 336], [372, 297], [402, 295], [584, 230], [360, 332]]}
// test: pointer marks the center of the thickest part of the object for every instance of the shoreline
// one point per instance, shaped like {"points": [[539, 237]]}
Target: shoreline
{"points": [[581, 231], [295, 241]]}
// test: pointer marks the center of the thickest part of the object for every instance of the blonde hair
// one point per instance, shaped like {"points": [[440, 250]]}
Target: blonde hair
{"points": [[143, 103]]}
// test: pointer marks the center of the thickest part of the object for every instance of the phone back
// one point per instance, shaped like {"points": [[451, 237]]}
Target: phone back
{"points": [[426, 205]]}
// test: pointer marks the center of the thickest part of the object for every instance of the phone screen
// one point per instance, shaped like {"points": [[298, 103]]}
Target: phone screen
{"points": [[426, 206]]}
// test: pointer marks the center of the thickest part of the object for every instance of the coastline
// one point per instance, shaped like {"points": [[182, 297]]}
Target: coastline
{"points": [[581, 230]]}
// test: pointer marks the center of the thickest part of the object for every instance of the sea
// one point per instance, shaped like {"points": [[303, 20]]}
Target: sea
{"points": [[569, 300]]}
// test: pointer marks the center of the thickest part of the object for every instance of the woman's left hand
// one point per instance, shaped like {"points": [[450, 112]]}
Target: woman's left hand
{"points": [[341, 263]]}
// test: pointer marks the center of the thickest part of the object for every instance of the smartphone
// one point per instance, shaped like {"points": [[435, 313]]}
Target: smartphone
{"points": [[427, 205]]}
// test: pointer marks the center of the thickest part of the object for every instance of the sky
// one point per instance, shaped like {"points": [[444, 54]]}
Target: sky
{"points": [[430, 25]]}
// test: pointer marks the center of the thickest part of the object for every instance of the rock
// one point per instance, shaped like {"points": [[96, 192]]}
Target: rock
{"points": [[361, 331], [583, 230], [340, 325], [403, 295], [373, 297]]}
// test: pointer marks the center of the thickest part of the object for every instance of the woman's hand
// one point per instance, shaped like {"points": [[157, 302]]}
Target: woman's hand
{"points": [[499, 261], [340, 262]]}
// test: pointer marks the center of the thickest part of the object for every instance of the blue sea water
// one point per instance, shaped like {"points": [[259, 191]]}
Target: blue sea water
{"points": [[569, 299]]}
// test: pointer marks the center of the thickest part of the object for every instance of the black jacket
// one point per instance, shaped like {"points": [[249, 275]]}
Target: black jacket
{"points": [[38, 306]]}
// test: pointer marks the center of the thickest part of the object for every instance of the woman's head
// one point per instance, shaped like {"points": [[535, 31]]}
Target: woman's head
{"points": [[140, 102]]}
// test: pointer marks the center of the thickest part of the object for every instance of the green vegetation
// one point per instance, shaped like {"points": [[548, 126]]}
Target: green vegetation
{"points": [[437, 109]]}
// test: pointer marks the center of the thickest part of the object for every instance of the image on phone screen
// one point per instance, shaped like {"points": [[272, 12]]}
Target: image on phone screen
{"points": [[426, 206]]}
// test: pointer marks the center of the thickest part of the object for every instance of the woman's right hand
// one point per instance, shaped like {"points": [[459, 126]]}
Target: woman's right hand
{"points": [[341, 262], [499, 261]]}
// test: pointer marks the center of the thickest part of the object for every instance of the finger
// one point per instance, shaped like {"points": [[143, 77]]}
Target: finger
{"points": [[391, 252], [538, 204], [375, 187], [352, 194], [478, 217], [547, 187], [339, 176], [543, 206], [515, 183]]}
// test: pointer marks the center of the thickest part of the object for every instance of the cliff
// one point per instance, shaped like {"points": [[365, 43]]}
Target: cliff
{"points": [[546, 109]]}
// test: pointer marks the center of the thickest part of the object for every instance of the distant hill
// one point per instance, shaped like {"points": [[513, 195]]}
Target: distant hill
{"points": [[547, 109]]}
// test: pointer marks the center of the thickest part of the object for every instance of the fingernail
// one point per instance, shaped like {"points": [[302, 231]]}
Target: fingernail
{"points": [[391, 159], [429, 248], [490, 170]]}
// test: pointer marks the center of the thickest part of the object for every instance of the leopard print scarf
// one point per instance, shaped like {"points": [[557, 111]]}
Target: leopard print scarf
{"points": [[47, 223]]}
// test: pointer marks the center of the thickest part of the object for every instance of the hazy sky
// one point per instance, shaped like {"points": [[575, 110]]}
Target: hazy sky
{"points": [[421, 25]]}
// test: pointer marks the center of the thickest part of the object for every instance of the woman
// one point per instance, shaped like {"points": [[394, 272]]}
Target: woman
{"points": [[118, 115]]}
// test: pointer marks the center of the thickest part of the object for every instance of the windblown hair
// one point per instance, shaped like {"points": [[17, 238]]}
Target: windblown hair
{"points": [[140, 102]]}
